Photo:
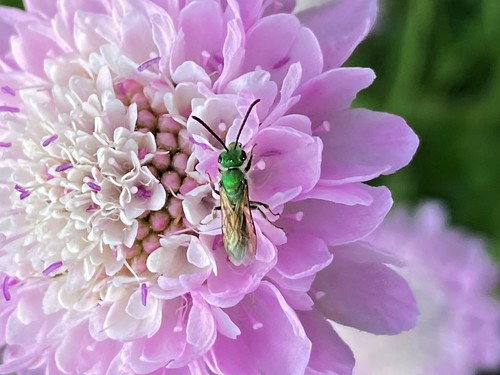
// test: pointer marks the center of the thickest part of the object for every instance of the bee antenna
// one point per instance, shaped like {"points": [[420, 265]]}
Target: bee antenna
{"points": [[210, 131], [246, 118]]}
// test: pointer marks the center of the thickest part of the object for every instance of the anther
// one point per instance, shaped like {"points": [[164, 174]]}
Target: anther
{"points": [[49, 140], [146, 64], [54, 266], [64, 167], [8, 90]]}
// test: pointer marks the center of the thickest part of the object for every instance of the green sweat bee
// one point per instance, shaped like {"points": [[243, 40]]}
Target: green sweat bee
{"points": [[238, 229]]}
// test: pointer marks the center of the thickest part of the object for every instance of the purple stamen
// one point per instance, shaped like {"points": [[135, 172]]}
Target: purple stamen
{"points": [[49, 140], [25, 194], [8, 90], [144, 294], [281, 63], [19, 188], [92, 207], [6, 108], [54, 266], [143, 192], [93, 186], [121, 88], [64, 167], [5, 144], [148, 63], [5, 288], [142, 153]]}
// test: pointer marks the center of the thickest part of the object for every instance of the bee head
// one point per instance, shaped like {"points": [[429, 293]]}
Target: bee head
{"points": [[233, 157]]}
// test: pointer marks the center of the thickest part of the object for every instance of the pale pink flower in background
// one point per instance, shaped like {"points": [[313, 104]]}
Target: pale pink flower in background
{"points": [[453, 279], [109, 263]]}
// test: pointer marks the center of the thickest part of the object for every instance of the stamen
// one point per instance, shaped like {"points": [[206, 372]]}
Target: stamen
{"points": [[281, 63], [121, 88], [144, 294], [54, 266], [143, 192], [25, 194], [93, 186], [19, 188], [64, 167], [8, 90], [49, 140], [142, 153], [6, 108], [5, 288], [5, 144], [148, 63]]}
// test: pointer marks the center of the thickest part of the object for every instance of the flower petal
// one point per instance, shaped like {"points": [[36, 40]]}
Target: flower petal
{"points": [[363, 144], [340, 26], [330, 92], [336, 223], [264, 317], [329, 354], [365, 295]]}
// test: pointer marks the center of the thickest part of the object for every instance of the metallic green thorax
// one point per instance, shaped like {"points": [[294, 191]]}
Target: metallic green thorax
{"points": [[230, 164]]}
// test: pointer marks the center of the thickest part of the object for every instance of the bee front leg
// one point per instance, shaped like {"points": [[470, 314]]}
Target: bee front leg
{"points": [[212, 185], [214, 215], [256, 205]]}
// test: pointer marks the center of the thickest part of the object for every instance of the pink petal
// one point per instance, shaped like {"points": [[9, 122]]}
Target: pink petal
{"points": [[365, 295], [279, 148], [165, 345], [348, 194], [338, 223], [329, 354], [32, 59], [363, 144], [340, 26], [303, 255], [278, 41], [272, 339], [196, 38], [200, 329], [48, 8], [331, 91]]}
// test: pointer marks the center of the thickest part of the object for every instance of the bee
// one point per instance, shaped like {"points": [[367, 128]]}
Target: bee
{"points": [[238, 229]]}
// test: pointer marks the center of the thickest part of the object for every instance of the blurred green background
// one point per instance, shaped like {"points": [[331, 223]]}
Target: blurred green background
{"points": [[438, 66]]}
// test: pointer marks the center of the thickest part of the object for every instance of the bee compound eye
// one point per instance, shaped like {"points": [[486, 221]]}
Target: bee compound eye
{"points": [[220, 158], [243, 155]]}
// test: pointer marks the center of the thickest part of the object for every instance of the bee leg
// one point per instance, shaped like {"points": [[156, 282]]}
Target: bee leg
{"points": [[257, 206], [214, 215], [249, 164], [254, 205], [212, 185]]}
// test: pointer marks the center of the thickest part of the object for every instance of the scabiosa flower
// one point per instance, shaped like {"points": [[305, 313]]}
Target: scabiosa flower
{"points": [[458, 330], [110, 261]]}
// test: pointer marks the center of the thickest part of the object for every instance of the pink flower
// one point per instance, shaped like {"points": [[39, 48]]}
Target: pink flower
{"points": [[110, 260], [453, 279]]}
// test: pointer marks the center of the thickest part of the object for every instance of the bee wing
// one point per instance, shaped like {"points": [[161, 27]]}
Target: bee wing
{"points": [[238, 229]]}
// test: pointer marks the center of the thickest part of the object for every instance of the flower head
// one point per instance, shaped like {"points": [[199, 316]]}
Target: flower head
{"points": [[110, 258], [452, 278]]}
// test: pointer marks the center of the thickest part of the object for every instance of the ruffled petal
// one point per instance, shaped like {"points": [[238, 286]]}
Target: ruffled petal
{"points": [[333, 222], [329, 354], [331, 92], [340, 26], [363, 144], [264, 317], [366, 295]]}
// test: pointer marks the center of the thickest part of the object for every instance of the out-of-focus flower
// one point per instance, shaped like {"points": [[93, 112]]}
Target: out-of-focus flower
{"points": [[109, 260], [458, 331]]}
